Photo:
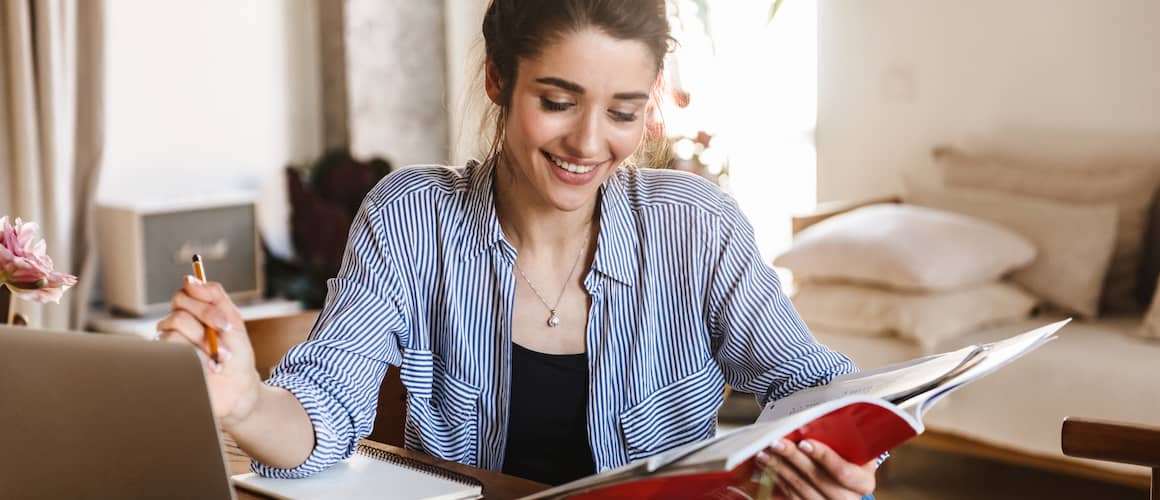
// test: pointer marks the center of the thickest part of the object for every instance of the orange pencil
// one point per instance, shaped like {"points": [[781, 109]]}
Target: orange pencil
{"points": [[210, 333]]}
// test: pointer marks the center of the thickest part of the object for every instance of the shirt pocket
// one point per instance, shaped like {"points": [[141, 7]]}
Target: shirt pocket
{"points": [[442, 410], [679, 413]]}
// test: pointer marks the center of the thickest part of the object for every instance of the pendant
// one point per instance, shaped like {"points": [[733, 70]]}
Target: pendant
{"points": [[553, 320]]}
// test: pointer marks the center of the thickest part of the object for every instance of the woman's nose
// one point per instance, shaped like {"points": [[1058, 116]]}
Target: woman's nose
{"points": [[586, 137]]}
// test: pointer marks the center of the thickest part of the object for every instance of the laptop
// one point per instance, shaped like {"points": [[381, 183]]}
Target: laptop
{"points": [[86, 415]]}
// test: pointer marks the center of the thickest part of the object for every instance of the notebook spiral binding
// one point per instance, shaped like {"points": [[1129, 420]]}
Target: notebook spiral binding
{"points": [[416, 465]]}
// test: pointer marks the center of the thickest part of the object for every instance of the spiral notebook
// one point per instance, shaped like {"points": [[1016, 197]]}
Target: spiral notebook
{"points": [[370, 473]]}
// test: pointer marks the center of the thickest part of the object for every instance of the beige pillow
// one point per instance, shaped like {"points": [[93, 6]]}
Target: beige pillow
{"points": [[1150, 328], [1128, 182], [1074, 242], [927, 318], [906, 247]]}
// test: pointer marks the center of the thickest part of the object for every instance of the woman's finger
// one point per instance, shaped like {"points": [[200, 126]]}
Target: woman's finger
{"points": [[855, 478], [214, 315], [795, 457], [810, 470], [210, 313], [794, 483], [183, 322], [170, 335], [768, 487], [209, 291]]}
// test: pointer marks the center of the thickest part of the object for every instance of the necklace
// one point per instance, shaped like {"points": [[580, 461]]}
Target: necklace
{"points": [[553, 319]]}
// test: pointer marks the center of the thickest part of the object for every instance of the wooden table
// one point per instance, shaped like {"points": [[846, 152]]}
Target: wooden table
{"points": [[495, 484]]}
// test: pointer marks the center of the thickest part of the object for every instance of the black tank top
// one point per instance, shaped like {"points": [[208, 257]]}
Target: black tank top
{"points": [[547, 417]]}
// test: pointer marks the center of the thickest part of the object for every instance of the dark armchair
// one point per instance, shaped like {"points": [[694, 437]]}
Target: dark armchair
{"points": [[1114, 442]]}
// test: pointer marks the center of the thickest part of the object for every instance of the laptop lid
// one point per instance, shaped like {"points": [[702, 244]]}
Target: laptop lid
{"points": [[102, 416]]}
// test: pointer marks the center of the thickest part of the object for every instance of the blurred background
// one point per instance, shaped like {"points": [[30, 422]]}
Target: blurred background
{"points": [[134, 131]]}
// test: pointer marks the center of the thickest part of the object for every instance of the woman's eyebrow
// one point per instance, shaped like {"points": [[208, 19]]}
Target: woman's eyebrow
{"points": [[564, 84], [630, 96], [576, 88]]}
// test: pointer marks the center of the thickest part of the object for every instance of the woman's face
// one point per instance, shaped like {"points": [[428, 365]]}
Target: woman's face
{"points": [[577, 111]]}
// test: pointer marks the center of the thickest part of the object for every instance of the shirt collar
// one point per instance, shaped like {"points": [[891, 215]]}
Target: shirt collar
{"points": [[482, 226], [617, 244]]}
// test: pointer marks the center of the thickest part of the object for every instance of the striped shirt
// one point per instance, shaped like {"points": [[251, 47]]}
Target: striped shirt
{"points": [[681, 304]]}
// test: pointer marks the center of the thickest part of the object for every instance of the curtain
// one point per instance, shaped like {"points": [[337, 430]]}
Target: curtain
{"points": [[51, 136]]}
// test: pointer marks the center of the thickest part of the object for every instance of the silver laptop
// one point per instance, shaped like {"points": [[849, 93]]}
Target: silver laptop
{"points": [[101, 416]]}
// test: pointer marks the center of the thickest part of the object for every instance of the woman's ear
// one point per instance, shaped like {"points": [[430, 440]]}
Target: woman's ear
{"points": [[491, 81]]}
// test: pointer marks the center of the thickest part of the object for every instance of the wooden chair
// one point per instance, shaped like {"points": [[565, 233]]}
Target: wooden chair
{"points": [[272, 337], [1114, 442]]}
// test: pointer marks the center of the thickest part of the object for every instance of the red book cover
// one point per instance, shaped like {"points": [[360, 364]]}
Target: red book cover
{"points": [[859, 431]]}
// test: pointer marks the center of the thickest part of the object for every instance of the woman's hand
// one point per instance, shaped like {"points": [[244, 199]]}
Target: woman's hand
{"points": [[233, 381], [812, 471]]}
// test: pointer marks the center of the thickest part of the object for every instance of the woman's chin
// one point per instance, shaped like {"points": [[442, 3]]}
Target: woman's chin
{"points": [[574, 199]]}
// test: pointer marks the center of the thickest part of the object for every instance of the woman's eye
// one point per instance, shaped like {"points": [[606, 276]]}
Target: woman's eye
{"points": [[621, 116], [551, 105]]}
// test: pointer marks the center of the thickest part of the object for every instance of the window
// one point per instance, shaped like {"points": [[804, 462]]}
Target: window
{"points": [[752, 82]]}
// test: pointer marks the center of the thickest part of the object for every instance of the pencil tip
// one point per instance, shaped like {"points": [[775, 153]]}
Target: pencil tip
{"points": [[196, 258]]}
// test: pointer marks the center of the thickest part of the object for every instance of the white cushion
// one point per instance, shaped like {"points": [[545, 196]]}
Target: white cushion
{"points": [[907, 248], [926, 318], [1068, 271], [1129, 182]]}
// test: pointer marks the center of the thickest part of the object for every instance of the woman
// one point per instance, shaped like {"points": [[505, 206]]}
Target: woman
{"points": [[553, 312]]}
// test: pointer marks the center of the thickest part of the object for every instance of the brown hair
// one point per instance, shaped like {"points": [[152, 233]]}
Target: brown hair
{"points": [[518, 29]]}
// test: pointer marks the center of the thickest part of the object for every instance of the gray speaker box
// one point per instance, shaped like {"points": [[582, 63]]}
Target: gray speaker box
{"points": [[146, 249]]}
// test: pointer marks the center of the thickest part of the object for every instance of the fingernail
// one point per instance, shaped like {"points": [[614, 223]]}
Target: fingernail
{"points": [[779, 446], [215, 366], [763, 458], [222, 326], [224, 354], [190, 280], [806, 446]]}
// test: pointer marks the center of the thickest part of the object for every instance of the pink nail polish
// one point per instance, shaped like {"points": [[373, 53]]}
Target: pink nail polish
{"points": [[806, 446], [779, 446], [763, 458]]}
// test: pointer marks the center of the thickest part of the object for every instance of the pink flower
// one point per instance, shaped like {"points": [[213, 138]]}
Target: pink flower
{"points": [[25, 267]]}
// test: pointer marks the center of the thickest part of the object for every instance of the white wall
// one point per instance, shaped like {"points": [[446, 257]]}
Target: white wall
{"points": [[897, 76], [465, 100], [208, 95]]}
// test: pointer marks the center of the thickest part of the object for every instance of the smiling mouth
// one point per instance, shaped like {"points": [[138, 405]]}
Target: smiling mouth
{"points": [[576, 169]]}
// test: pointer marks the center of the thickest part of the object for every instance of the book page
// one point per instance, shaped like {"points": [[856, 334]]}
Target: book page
{"points": [[899, 379], [882, 383], [998, 354]]}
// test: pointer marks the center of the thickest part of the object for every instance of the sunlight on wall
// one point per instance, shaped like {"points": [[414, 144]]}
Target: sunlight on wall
{"points": [[757, 92], [210, 95]]}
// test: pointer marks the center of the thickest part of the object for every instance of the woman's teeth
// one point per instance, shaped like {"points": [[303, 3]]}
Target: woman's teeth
{"points": [[576, 169]]}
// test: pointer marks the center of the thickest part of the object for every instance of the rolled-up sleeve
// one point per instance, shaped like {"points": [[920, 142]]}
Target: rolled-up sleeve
{"points": [[760, 342], [337, 372]]}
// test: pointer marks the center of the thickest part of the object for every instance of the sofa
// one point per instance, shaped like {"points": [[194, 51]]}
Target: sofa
{"points": [[1103, 365]]}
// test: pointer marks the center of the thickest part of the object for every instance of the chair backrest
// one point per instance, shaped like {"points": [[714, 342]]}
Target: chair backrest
{"points": [[272, 337], [1114, 442]]}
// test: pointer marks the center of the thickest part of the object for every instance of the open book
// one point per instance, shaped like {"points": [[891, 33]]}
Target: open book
{"points": [[860, 416]]}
